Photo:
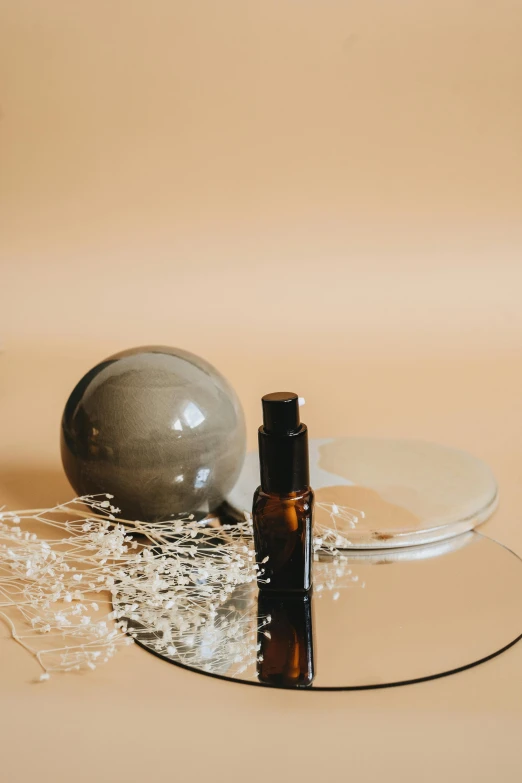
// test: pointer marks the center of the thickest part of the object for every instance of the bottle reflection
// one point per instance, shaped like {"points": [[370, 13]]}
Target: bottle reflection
{"points": [[286, 657]]}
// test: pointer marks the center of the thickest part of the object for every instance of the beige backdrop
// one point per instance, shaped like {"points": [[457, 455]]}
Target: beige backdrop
{"points": [[317, 194]]}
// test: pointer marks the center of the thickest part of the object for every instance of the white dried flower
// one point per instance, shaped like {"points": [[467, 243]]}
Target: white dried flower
{"points": [[183, 586]]}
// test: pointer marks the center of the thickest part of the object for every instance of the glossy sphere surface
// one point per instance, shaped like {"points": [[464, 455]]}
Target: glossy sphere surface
{"points": [[159, 428]]}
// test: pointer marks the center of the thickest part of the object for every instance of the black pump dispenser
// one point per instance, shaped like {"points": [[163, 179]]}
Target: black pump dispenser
{"points": [[283, 445], [281, 413]]}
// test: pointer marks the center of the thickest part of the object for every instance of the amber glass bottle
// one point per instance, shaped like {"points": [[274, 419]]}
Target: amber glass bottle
{"points": [[283, 504], [286, 655]]}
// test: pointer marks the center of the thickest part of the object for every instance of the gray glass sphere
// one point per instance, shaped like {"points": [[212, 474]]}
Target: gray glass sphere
{"points": [[159, 428]]}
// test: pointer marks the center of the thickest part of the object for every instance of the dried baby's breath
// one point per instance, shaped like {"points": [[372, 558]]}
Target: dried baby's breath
{"points": [[76, 584]]}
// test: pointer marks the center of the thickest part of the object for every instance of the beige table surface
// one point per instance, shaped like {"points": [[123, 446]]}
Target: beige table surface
{"points": [[317, 195]]}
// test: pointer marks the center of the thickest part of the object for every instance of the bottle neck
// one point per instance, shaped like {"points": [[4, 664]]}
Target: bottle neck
{"points": [[283, 461]]}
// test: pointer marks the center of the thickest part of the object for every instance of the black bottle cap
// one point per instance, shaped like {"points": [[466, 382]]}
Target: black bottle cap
{"points": [[283, 445], [281, 413]]}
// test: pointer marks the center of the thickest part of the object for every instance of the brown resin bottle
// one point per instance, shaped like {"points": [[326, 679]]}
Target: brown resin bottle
{"points": [[283, 504], [285, 637]]}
